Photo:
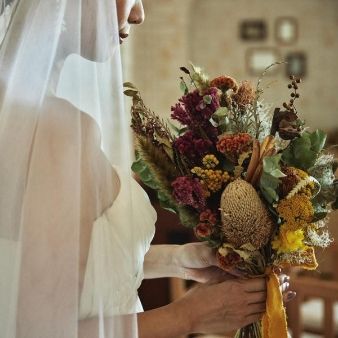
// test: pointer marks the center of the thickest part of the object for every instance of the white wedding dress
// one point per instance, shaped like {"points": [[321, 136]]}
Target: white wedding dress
{"points": [[109, 279], [107, 270]]}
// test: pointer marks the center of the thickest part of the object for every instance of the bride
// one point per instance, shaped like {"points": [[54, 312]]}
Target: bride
{"points": [[75, 229]]}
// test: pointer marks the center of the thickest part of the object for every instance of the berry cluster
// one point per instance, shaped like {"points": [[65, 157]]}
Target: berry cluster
{"points": [[294, 94]]}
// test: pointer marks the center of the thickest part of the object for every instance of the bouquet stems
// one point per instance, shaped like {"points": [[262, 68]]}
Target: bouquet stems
{"points": [[253, 330]]}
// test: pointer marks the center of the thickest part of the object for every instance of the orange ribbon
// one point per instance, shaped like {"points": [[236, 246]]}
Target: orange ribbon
{"points": [[274, 320]]}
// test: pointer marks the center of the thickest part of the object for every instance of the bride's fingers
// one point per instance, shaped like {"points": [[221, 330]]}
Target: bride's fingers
{"points": [[211, 274], [253, 318], [256, 297], [284, 287], [256, 308], [288, 296], [283, 278], [255, 285]]}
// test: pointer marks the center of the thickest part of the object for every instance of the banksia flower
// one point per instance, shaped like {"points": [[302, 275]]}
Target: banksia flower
{"points": [[224, 83], [245, 218]]}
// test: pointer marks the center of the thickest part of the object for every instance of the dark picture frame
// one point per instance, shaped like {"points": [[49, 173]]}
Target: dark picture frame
{"points": [[296, 64], [253, 30]]}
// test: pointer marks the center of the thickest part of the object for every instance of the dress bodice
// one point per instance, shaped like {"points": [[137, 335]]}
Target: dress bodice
{"points": [[114, 268]]}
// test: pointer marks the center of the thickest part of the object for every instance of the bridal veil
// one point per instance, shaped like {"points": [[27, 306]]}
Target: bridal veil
{"points": [[62, 130]]}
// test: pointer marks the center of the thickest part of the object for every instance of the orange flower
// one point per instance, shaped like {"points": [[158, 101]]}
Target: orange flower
{"points": [[224, 83], [233, 145]]}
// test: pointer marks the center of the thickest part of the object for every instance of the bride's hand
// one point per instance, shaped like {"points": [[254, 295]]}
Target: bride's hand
{"points": [[224, 307], [197, 262]]}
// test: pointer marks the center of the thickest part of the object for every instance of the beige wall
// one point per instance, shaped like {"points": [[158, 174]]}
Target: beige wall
{"points": [[206, 32]]}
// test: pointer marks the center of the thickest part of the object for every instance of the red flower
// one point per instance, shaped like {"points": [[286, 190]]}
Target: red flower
{"points": [[229, 261], [208, 216], [203, 230]]}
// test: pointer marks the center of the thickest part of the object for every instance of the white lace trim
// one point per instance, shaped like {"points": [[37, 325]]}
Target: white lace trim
{"points": [[5, 19]]}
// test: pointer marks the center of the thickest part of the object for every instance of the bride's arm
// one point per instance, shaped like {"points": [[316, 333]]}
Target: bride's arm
{"points": [[195, 261], [142, 325], [207, 308]]}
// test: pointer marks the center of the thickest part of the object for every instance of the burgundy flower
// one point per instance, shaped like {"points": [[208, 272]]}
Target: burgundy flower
{"points": [[189, 191], [192, 146], [208, 216], [194, 108]]}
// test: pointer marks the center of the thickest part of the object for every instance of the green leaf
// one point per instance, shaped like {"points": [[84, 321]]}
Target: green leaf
{"points": [[269, 181], [141, 169], [271, 163], [303, 151], [188, 217], [277, 173], [268, 185], [137, 166], [165, 203], [318, 139], [184, 87], [207, 99], [221, 112]]}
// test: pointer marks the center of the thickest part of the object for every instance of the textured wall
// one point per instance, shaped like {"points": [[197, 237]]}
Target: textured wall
{"points": [[206, 32]]}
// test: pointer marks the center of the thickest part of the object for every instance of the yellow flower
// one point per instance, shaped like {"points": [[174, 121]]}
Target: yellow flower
{"points": [[298, 207], [301, 173], [212, 179], [289, 240], [210, 161]]}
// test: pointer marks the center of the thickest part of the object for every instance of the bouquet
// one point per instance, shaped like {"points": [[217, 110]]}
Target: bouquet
{"points": [[248, 178]]}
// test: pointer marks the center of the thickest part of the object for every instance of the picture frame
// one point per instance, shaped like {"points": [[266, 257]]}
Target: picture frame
{"points": [[286, 30], [296, 64], [253, 30], [257, 59]]}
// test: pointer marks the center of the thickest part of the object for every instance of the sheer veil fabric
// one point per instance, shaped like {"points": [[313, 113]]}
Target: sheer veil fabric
{"points": [[63, 130]]}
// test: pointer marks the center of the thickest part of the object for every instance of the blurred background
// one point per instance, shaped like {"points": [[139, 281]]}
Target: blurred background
{"points": [[240, 38]]}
